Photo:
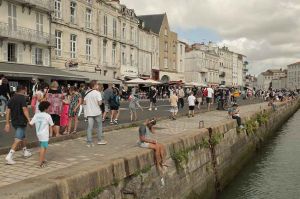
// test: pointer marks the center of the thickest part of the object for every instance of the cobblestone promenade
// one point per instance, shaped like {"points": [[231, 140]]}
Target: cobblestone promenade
{"points": [[75, 152]]}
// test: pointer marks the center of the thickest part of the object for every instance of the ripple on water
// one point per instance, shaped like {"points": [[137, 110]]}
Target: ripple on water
{"points": [[275, 172]]}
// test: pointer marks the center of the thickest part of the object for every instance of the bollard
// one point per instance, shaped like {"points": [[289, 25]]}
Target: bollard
{"points": [[201, 124]]}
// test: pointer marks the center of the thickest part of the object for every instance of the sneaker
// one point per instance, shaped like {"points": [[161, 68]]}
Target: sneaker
{"points": [[116, 122], [241, 127], [9, 161], [155, 109], [150, 109], [111, 122], [27, 153], [102, 142]]}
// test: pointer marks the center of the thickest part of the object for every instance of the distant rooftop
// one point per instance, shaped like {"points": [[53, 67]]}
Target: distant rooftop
{"points": [[153, 22]]}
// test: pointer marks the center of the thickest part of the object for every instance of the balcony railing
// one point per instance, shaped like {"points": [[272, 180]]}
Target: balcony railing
{"points": [[43, 4], [26, 34]]}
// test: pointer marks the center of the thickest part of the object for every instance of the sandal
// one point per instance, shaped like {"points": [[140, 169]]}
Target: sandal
{"points": [[66, 133], [74, 132]]}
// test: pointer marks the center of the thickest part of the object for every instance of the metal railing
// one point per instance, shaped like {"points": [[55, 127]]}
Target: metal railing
{"points": [[26, 34]]}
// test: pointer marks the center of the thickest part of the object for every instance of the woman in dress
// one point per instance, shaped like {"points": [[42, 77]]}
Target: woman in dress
{"points": [[75, 102], [64, 117], [55, 97], [133, 105]]}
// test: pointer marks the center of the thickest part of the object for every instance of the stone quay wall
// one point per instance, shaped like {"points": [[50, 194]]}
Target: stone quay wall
{"points": [[202, 162]]}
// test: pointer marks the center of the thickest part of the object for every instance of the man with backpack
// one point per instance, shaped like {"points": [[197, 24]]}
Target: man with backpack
{"points": [[114, 103]]}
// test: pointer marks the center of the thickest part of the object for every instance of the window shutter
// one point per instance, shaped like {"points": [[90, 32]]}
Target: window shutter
{"points": [[33, 56], [46, 57], [41, 22], [20, 51], [4, 50]]}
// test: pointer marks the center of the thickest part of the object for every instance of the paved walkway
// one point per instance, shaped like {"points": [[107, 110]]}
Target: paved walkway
{"points": [[75, 152]]}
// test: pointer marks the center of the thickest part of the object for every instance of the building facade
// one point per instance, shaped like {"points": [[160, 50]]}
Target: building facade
{"points": [[168, 45], [265, 78], [293, 76]]}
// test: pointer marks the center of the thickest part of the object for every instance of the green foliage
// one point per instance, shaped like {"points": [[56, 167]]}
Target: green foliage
{"points": [[94, 193], [215, 139], [262, 118], [251, 126]]}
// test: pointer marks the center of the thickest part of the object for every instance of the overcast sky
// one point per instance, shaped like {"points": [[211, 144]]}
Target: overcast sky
{"points": [[266, 31]]}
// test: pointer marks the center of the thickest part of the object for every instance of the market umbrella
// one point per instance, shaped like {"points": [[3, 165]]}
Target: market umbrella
{"points": [[152, 82], [136, 81]]}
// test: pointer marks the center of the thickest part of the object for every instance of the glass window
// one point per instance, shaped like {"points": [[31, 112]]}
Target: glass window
{"points": [[105, 25], [39, 22], [57, 9], [11, 52], [73, 46], [39, 56], [12, 17], [88, 18], [123, 56], [73, 12], [113, 53], [104, 50], [58, 47], [124, 31], [114, 28], [166, 62], [88, 49]]}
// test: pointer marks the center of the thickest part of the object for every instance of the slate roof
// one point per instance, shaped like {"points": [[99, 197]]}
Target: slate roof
{"points": [[153, 22]]}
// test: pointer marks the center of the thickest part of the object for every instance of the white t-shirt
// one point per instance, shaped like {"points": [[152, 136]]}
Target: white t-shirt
{"points": [[191, 100], [42, 122], [92, 100], [210, 92]]}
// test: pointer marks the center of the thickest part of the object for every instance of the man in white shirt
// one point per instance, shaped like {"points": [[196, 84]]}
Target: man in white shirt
{"points": [[191, 101], [209, 98], [92, 102]]}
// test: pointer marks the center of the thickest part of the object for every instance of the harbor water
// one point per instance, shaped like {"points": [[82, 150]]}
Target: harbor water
{"points": [[274, 173]]}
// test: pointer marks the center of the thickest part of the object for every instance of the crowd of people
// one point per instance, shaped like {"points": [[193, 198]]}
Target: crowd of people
{"points": [[57, 109]]}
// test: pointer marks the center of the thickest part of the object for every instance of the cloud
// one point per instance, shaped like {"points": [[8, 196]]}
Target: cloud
{"points": [[266, 31]]}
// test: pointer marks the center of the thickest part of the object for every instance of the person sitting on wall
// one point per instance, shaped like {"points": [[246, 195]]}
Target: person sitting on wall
{"points": [[146, 142], [234, 113]]}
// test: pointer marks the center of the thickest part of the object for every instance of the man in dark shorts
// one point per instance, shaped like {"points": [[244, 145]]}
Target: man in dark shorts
{"points": [[152, 97], [18, 113]]}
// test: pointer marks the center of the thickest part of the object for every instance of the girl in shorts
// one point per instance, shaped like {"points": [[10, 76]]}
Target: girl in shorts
{"points": [[147, 142]]}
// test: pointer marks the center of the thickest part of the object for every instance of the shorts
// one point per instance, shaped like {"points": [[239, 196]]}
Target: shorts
{"points": [[199, 100], [174, 109], [20, 132], [144, 145], [44, 144], [106, 108], [132, 110], [208, 100], [114, 108], [55, 119], [153, 100], [191, 108]]}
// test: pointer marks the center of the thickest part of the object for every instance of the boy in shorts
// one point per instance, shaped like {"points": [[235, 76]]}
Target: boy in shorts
{"points": [[191, 101], [43, 122]]}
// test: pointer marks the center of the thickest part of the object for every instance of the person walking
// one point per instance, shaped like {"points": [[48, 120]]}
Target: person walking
{"points": [[191, 102], [92, 102], [114, 103], [152, 97], [199, 96], [4, 95], [18, 113], [107, 94], [209, 98], [133, 105], [181, 98], [43, 123], [174, 103], [55, 97], [75, 103]]}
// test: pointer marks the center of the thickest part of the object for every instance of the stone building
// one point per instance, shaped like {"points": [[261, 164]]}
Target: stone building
{"points": [[265, 78], [26, 41], [168, 70], [293, 76]]}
